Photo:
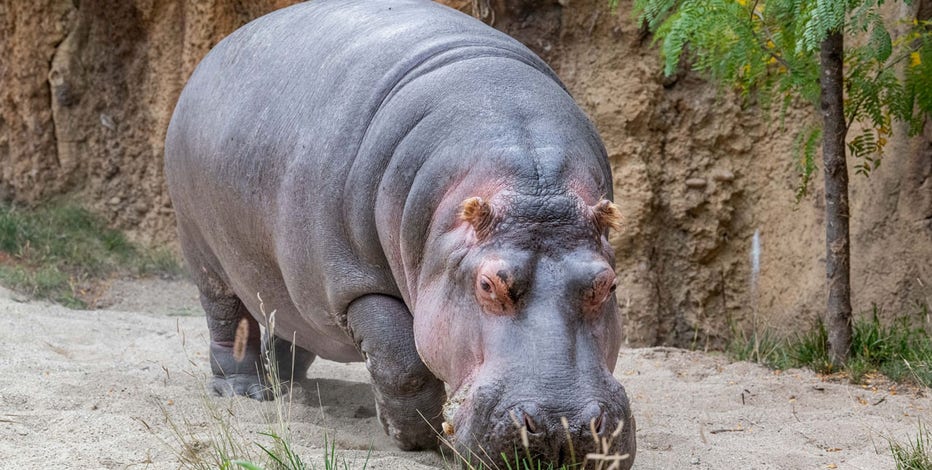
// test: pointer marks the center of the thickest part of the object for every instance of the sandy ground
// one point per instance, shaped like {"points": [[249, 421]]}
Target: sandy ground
{"points": [[87, 389]]}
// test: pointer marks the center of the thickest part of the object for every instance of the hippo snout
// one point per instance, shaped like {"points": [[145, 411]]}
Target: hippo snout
{"points": [[567, 437], [570, 432]]}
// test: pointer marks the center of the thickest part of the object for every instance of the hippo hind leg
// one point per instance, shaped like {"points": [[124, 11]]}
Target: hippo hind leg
{"points": [[235, 362], [247, 375], [409, 399], [237, 366]]}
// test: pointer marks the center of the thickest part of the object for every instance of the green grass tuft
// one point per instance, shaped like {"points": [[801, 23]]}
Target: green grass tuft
{"points": [[900, 350], [281, 457], [518, 462], [57, 250], [915, 453]]}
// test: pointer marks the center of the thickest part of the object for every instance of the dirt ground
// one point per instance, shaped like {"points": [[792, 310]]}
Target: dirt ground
{"points": [[86, 389]]}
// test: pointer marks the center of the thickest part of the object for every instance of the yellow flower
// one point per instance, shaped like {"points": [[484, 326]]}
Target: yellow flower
{"points": [[914, 59], [772, 60], [742, 2], [770, 44]]}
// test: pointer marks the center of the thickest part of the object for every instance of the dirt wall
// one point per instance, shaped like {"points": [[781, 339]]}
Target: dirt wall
{"points": [[87, 96]]}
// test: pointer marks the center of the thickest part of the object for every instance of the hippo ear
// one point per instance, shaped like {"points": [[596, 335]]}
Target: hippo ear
{"points": [[606, 215], [478, 212]]}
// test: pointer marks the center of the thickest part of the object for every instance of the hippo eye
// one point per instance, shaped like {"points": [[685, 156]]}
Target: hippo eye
{"points": [[493, 294], [601, 290], [485, 285]]}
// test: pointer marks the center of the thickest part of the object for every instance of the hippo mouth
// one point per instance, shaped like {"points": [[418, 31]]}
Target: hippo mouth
{"points": [[480, 428], [453, 420]]}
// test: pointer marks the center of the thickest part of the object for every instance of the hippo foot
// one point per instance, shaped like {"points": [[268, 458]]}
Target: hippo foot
{"points": [[408, 398], [404, 420], [241, 384]]}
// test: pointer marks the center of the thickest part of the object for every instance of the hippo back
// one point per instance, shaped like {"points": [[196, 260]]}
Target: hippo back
{"points": [[263, 156]]}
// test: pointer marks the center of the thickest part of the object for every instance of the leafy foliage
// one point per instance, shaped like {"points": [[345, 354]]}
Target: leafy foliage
{"points": [[769, 48]]}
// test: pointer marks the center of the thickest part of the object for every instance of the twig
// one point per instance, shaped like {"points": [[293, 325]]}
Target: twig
{"points": [[718, 431]]}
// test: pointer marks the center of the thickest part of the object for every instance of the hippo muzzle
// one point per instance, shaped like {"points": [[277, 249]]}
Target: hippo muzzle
{"points": [[572, 429]]}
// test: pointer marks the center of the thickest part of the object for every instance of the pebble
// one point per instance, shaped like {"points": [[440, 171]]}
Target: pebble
{"points": [[722, 175], [696, 183]]}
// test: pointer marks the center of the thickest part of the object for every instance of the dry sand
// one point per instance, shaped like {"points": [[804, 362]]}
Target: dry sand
{"points": [[86, 389]]}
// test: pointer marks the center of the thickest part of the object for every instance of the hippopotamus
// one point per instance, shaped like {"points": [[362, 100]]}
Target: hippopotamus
{"points": [[405, 186]]}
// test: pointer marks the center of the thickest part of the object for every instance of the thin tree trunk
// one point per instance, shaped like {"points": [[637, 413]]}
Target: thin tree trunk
{"points": [[838, 253]]}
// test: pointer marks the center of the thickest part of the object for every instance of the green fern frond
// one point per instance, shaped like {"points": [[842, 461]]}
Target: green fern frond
{"points": [[880, 41], [804, 149]]}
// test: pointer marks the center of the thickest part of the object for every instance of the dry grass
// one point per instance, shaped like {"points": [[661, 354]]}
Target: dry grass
{"points": [[216, 440]]}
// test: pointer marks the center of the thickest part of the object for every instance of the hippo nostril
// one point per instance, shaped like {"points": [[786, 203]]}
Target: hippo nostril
{"points": [[530, 424], [599, 423], [594, 417]]}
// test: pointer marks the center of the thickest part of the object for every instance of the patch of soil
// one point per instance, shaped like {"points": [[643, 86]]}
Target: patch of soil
{"points": [[86, 389]]}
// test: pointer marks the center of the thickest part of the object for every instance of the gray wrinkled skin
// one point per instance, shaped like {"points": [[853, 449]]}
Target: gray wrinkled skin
{"points": [[320, 156]]}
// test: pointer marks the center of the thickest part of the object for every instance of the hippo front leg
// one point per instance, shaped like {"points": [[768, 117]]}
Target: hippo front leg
{"points": [[409, 399]]}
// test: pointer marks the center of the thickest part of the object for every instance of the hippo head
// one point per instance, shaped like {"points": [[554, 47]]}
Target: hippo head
{"points": [[519, 320]]}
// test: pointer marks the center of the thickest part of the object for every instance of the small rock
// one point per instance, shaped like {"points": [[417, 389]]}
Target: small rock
{"points": [[722, 175], [114, 201], [694, 461], [107, 121], [695, 183]]}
